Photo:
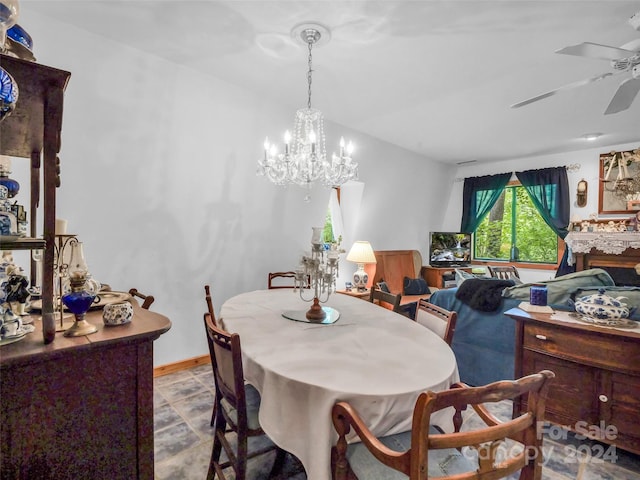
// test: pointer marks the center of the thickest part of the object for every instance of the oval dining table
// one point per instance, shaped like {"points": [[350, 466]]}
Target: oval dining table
{"points": [[375, 359]]}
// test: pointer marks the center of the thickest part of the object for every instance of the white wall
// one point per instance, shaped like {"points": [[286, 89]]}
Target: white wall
{"points": [[589, 161], [158, 179]]}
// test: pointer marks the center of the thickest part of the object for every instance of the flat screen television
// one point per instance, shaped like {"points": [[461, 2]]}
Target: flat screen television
{"points": [[449, 249]]}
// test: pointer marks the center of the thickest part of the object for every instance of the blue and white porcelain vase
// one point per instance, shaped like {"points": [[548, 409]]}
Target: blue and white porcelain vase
{"points": [[8, 94], [12, 186]]}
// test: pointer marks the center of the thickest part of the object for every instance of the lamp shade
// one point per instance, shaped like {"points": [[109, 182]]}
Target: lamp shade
{"points": [[361, 252]]}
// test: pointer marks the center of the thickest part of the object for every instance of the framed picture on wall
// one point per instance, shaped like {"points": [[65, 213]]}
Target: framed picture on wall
{"points": [[619, 189]]}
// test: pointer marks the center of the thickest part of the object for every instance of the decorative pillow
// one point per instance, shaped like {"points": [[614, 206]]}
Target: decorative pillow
{"points": [[461, 276], [630, 296], [382, 285], [415, 286], [559, 289]]}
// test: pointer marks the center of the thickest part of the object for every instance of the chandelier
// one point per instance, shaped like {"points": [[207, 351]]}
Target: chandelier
{"points": [[305, 159]]}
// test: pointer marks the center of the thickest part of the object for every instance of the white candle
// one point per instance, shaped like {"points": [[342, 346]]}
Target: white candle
{"points": [[316, 235], [287, 140], [312, 139], [61, 226]]}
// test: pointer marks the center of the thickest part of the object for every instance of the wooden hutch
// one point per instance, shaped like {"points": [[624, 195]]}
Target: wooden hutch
{"points": [[76, 407]]}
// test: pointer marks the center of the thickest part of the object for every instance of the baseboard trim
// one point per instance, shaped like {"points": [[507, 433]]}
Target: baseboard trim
{"points": [[181, 365]]}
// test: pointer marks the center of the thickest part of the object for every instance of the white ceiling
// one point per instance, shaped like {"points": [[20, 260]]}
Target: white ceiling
{"points": [[435, 77]]}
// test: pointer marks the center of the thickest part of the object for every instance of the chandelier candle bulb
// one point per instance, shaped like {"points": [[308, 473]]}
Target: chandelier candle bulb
{"points": [[312, 140], [287, 141]]}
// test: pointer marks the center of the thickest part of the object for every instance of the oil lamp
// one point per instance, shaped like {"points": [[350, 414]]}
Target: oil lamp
{"points": [[80, 298]]}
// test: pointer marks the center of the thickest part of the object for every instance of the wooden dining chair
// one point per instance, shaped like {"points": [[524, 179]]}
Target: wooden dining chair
{"points": [[437, 319], [496, 450], [207, 297], [212, 316], [289, 278], [503, 272], [147, 300], [390, 301], [236, 404]]}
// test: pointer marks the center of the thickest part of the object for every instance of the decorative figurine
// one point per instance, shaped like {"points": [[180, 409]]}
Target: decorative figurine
{"points": [[635, 221], [17, 288], [585, 226]]}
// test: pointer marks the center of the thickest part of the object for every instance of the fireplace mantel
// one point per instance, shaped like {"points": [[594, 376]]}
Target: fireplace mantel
{"points": [[616, 252], [613, 243]]}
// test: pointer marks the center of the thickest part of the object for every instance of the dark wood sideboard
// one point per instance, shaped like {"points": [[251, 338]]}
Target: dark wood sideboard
{"points": [[80, 407], [597, 375]]}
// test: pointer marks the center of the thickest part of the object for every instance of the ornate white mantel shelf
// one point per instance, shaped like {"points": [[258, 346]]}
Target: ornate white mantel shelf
{"points": [[607, 242]]}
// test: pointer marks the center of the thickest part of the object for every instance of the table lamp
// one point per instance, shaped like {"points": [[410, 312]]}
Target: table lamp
{"points": [[361, 253]]}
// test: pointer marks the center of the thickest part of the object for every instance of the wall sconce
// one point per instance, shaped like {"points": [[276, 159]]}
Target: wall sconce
{"points": [[581, 193]]}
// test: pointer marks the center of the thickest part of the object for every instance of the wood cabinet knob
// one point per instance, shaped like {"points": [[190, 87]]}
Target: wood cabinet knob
{"points": [[603, 398]]}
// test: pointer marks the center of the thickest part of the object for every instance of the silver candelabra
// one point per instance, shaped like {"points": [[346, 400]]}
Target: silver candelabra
{"points": [[317, 275]]}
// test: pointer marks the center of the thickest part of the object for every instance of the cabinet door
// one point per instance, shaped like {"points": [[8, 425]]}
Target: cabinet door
{"points": [[619, 407], [573, 394], [79, 413]]}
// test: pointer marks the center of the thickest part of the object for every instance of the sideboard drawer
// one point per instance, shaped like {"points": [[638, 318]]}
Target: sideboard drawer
{"points": [[589, 348]]}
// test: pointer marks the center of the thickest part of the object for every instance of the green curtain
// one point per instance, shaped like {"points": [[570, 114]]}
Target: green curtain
{"points": [[549, 192], [478, 196]]}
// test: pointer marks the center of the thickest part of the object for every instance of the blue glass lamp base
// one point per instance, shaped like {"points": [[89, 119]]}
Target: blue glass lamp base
{"points": [[78, 303]]}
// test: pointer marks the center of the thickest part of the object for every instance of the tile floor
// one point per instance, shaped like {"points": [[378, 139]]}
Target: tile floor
{"points": [[183, 438], [183, 402]]}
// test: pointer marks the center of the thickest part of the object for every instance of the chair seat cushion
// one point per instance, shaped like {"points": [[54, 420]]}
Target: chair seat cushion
{"points": [[441, 462], [253, 405]]}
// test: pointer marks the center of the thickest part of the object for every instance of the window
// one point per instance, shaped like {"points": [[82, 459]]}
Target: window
{"points": [[332, 231], [514, 231], [327, 232]]}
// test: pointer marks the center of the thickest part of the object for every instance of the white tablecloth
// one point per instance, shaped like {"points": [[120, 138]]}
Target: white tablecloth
{"points": [[375, 359]]}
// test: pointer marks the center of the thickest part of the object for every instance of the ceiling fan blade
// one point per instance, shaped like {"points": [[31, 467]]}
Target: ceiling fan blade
{"points": [[623, 98], [595, 50], [565, 87]]}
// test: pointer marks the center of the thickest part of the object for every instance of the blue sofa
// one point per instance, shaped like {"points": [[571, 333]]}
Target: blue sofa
{"points": [[484, 342]]}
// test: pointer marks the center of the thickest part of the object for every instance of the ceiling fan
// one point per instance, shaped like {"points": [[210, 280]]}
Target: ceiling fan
{"points": [[624, 59]]}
